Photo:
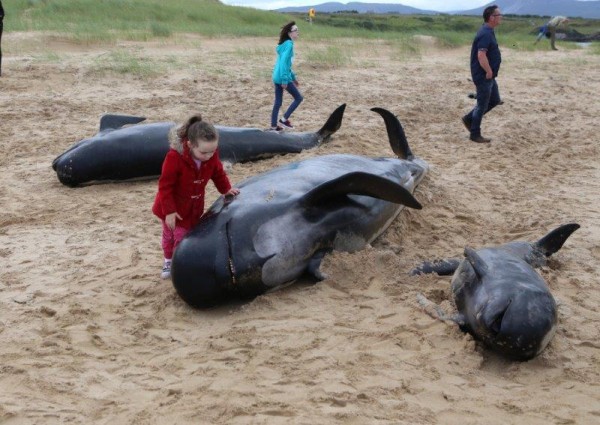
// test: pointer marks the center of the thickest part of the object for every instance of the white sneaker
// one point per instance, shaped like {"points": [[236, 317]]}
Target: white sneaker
{"points": [[166, 270]]}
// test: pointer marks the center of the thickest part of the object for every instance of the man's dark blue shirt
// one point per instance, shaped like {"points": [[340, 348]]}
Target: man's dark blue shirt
{"points": [[485, 40]]}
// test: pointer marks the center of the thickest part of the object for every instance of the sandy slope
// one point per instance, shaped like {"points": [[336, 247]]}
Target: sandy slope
{"points": [[89, 333]]}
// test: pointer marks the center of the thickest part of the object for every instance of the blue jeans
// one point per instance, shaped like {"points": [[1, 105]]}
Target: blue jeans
{"points": [[293, 90], [488, 97]]}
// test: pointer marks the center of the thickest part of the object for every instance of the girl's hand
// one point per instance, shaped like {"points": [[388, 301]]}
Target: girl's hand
{"points": [[171, 220], [297, 83], [284, 86], [234, 191]]}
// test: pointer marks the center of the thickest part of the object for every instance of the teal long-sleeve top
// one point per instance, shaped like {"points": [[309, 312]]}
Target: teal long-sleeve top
{"points": [[282, 72]]}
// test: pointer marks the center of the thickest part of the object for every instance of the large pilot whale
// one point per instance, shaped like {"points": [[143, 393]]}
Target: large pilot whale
{"points": [[118, 152], [284, 221], [501, 299]]}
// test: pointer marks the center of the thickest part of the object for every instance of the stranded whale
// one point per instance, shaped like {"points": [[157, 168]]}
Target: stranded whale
{"points": [[501, 300], [284, 221], [138, 151]]}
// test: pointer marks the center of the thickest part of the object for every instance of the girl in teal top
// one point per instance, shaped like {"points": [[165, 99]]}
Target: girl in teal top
{"points": [[284, 78]]}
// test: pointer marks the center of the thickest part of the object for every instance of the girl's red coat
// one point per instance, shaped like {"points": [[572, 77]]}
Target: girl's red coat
{"points": [[181, 186]]}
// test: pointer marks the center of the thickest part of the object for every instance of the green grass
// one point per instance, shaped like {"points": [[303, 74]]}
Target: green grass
{"points": [[96, 21], [127, 62], [330, 56], [108, 21]]}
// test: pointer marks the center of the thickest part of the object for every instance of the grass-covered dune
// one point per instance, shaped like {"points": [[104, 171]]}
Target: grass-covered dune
{"points": [[109, 20]]}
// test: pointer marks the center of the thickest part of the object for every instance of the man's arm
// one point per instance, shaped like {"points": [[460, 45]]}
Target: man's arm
{"points": [[485, 64]]}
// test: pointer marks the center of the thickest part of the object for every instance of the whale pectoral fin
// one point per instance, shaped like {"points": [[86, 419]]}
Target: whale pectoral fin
{"points": [[359, 183], [444, 267], [114, 122], [314, 266], [479, 266], [436, 312], [554, 240]]}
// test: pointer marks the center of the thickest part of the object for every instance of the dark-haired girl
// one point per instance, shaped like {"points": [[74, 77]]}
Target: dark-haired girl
{"points": [[191, 162], [284, 78]]}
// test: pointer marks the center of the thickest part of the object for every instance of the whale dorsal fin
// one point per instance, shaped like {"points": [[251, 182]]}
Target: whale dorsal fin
{"points": [[114, 122], [396, 136], [359, 183], [479, 266], [554, 240], [334, 122]]}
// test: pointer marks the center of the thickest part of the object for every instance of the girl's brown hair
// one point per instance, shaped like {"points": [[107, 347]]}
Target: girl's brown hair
{"points": [[194, 130]]}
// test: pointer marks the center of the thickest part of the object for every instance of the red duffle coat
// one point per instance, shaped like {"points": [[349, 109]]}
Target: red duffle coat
{"points": [[181, 185]]}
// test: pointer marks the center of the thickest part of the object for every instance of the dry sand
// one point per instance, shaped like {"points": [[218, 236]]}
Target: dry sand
{"points": [[90, 334]]}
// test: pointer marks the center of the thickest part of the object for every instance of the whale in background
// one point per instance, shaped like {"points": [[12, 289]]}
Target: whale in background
{"points": [[123, 149]]}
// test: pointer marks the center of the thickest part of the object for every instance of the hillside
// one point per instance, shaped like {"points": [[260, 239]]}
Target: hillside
{"points": [[332, 7], [573, 8]]}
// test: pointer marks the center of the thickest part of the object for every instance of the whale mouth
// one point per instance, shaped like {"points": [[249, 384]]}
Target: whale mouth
{"points": [[231, 266], [495, 325]]}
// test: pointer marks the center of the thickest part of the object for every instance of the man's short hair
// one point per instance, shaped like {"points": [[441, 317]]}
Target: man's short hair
{"points": [[489, 11]]}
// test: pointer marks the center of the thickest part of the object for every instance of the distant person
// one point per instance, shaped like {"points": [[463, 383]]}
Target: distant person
{"points": [[1, 29], [284, 78], [191, 162], [311, 15], [549, 30], [485, 64]]}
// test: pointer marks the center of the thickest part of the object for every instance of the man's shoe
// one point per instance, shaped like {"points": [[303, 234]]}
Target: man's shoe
{"points": [[479, 139], [467, 123]]}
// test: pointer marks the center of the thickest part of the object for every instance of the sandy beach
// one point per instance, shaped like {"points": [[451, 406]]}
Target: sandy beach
{"points": [[89, 333]]}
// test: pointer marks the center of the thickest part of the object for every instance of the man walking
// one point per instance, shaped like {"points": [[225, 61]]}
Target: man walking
{"points": [[485, 64], [550, 28]]}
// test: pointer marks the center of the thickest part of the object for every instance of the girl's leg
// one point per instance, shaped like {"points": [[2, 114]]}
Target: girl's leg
{"points": [[178, 235], [293, 90], [168, 245], [276, 104], [168, 241]]}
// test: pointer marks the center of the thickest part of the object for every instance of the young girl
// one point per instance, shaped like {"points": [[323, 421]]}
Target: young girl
{"points": [[192, 160], [284, 78]]}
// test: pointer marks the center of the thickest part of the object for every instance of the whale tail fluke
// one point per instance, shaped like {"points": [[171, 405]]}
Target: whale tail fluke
{"points": [[396, 134], [554, 240], [114, 122], [333, 123]]}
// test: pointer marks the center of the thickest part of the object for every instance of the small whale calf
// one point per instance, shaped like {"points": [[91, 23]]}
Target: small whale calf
{"points": [[501, 299]]}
